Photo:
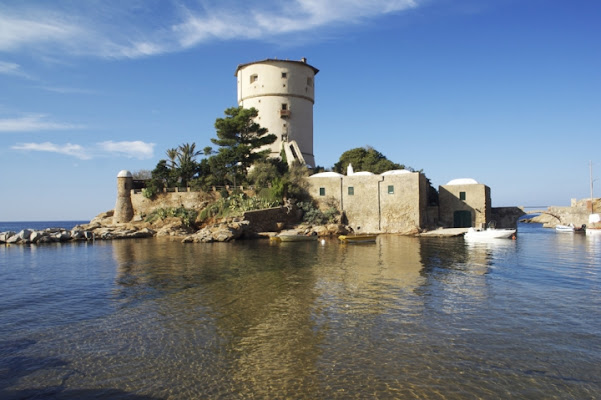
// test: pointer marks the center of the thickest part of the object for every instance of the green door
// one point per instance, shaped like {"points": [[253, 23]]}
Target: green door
{"points": [[462, 219]]}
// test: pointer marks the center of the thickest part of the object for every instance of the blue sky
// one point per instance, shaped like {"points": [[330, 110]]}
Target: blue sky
{"points": [[503, 91]]}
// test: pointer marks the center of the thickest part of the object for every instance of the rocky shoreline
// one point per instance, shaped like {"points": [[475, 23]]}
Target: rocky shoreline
{"points": [[102, 227]]}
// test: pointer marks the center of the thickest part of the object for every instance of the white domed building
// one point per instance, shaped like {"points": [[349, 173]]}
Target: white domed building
{"points": [[391, 202], [463, 203]]}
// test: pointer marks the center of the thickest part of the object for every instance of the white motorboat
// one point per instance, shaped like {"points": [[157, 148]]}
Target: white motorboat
{"points": [[569, 228], [489, 233], [564, 228]]}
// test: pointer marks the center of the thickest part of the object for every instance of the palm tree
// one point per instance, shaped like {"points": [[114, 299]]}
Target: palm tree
{"points": [[172, 154], [186, 154]]}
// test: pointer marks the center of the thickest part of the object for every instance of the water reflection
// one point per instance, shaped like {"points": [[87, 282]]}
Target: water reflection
{"points": [[401, 318]]}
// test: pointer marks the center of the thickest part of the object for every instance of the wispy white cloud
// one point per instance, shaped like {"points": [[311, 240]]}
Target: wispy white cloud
{"points": [[68, 149], [66, 90], [8, 68], [133, 149], [41, 26], [136, 149], [141, 29], [33, 123]]}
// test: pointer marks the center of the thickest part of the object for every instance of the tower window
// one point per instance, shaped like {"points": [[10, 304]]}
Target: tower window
{"points": [[309, 81], [284, 75], [322, 191], [461, 195], [390, 189], [284, 106], [254, 78], [351, 191]]}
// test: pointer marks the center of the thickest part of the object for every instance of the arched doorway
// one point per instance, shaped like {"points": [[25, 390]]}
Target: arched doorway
{"points": [[462, 219]]}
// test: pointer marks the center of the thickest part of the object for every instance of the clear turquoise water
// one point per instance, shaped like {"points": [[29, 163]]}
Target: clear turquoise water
{"points": [[401, 318]]}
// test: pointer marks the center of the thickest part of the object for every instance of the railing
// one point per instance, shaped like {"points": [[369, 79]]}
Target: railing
{"points": [[284, 113], [211, 189]]}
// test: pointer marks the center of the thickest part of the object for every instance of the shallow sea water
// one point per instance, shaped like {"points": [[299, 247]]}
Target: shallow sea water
{"points": [[405, 317]]}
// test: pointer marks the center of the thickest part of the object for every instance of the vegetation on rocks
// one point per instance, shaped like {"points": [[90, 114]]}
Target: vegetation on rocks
{"points": [[187, 216], [235, 205], [315, 216]]}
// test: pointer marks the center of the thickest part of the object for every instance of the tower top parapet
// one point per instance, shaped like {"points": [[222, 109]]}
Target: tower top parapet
{"points": [[303, 61]]}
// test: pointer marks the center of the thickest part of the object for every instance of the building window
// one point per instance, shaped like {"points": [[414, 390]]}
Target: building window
{"points": [[254, 78], [284, 106], [390, 189], [351, 191], [284, 75], [322, 191], [309, 81], [461, 195]]}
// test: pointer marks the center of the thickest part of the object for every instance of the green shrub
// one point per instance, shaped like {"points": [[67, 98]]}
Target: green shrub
{"points": [[149, 192], [235, 205], [315, 216], [187, 216]]}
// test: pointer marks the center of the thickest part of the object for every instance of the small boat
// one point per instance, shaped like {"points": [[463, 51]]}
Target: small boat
{"points": [[295, 238], [564, 228], [489, 233], [570, 228], [363, 238]]}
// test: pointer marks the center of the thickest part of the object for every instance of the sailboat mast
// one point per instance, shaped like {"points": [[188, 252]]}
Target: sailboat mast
{"points": [[591, 175]]}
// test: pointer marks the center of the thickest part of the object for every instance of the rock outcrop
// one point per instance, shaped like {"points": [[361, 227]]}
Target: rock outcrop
{"points": [[224, 231], [577, 214], [50, 235]]}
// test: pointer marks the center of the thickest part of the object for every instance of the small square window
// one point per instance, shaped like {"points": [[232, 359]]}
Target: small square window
{"points": [[390, 189], [351, 191], [284, 106], [254, 78], [309, 81], [322, 191], [284, 75], [461, 195]]}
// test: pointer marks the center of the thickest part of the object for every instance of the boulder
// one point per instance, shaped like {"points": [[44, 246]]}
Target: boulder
{"points": [[25, 234], [36, 236], [4, 236], [47, 239], [14, 239], [222, 232], [62, 236], [77, 234]]}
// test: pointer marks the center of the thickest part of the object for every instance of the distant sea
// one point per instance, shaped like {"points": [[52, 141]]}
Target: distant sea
{"points": [[17, 226]]}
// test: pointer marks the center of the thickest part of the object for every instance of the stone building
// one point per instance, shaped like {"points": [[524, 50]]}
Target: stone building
{"points": [[464, 203], [284, 93], [392, 202]]}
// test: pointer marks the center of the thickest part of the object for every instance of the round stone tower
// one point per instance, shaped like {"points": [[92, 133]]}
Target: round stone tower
{"points": [[124, 210], [284, 93]]}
